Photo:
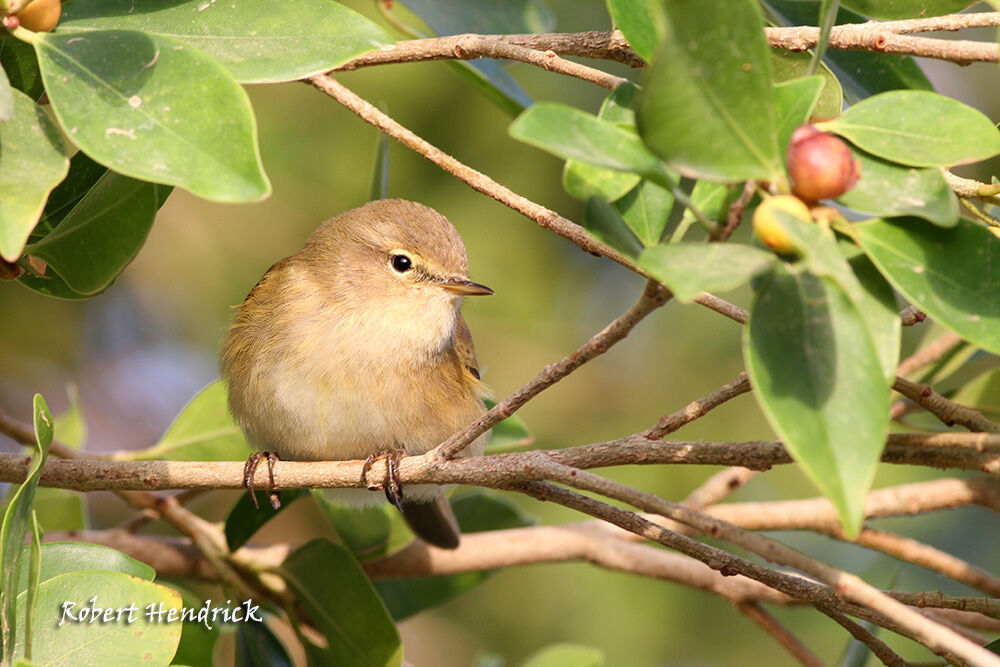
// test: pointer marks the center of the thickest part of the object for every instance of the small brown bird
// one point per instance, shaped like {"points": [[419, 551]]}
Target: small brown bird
{"points": [[354, 348]]}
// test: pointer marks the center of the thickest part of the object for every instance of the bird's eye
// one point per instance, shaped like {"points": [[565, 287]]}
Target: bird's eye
{"points": [[401, 263]]}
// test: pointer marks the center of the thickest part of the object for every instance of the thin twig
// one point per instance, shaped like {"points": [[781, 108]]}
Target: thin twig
{"points": [[718, 486], [771, 626], [653, 296], [699, 407], [929, 354], [949, 412], [912, 315], [878, 647], [874, 37], [735, 213]]}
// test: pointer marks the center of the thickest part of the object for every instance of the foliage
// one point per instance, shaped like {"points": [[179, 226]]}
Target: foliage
{"points": [[151, 100]]}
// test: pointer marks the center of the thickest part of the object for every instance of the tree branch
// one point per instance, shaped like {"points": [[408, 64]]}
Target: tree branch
{"points": [[949, 412], [771, 626]]}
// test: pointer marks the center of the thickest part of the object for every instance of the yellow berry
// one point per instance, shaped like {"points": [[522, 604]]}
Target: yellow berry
{"points": [[40, 15], [767, 228]]}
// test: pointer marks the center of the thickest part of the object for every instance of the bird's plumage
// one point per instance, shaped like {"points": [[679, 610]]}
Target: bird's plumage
{"points": [[336, 355]]}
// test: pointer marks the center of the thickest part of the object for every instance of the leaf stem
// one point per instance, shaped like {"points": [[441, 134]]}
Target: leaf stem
{"points": [[23, 34]]}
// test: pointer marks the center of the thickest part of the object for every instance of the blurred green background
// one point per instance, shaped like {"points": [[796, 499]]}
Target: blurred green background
{"points": [[142, 349]]}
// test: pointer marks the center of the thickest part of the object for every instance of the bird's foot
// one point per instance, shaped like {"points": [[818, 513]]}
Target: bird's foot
{"points": [[250, 469], [392, 486]]}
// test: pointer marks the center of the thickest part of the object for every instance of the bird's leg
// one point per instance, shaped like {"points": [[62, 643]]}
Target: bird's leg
{"points": [[250, 469], [392, 486]]}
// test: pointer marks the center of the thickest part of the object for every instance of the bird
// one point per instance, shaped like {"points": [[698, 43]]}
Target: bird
{"points": [[355, 348]]}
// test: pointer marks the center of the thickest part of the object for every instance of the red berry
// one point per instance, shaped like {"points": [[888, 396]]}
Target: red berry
{"points": [[820, 165]]}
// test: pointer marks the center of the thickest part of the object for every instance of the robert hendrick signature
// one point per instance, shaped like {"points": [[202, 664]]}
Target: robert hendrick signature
{"points": [[157, 612]]}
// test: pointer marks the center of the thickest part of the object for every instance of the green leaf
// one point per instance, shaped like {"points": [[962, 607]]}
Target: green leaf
{"points": [[689, 269], [244, 519], [32, 161], [258, 41], [364, 530], [823, 257], [197, 641], [203, 431], [789, 65], [258, 646], [571, 133], [83, 175], [6, 98], [154, 108], [21, 67], [918, 128], [118, 642], [888, 10], [641, 24], [446, 17], [646, 211], [888, 189], [60, 509], [16, 521], [794, 102], [340, 600], [982, 393], [509, 435], [951, 274], [34, 578], [861, 73], [818, 381], [103, 232], [566, 655], [605, 224], [582, 180], [709, 111], [63, 557], [477, 511], [827, 19]]}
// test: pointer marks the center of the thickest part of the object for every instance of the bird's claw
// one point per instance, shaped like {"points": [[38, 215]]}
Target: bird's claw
{"points": [[250, 469], [392, 486]]}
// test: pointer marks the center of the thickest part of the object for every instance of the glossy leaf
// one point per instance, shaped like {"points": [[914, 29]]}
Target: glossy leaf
{"points": [[60, 509], [816, 377], [823, 257], [258, 646], [63, 557], [6, 97], [827, 19], [34, 578], [646, 210], [790, 65], [340, 600], [689, 269], [918, 128], [565, 655], [510, 434], [244, 519], [203, 431], [906, 9], [21, 67], [157, 110], [640, 23], [951, 274], [83, 175], [452, 17], [861, 73], [571, 133], [14, 528], [103, 232], [144, 641], [258, 41], [794, 102], [197, 641], [982, 393], [32, 161], [477, 510], [582, 180], [888, 189], [365, 531], [605, 224], [708, 107]]}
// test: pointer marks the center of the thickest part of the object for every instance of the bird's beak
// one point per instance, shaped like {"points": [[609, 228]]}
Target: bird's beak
{"points": [[465, 287]]}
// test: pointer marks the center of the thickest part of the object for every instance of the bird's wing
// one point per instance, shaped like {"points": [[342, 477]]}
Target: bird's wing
{"points": [[464, 348]]}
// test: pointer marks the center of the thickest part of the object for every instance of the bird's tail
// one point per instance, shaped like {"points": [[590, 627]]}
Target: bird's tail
{"points": [[433, 521]]}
